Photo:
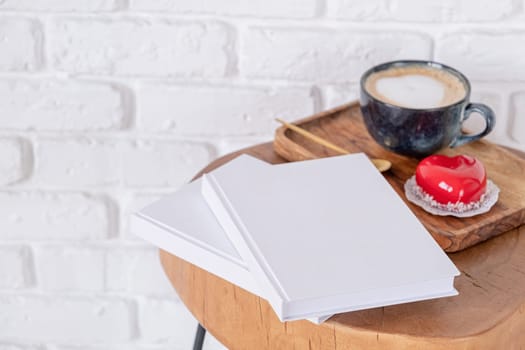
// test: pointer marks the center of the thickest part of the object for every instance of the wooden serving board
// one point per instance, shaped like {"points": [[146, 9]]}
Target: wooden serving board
{"points": [[344, 127]]}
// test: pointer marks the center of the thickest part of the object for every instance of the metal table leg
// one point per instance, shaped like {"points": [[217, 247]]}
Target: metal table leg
{"points": [[199, 337]]}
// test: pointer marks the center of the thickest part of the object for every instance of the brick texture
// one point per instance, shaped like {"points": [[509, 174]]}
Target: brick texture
{"points": [[427, 11], [43, 319], [484, 56], [517, 123], [62, 6], [324, 55], [44, 104], [20, 44], [138, 271], [336, 95], [221, 111], [151, 163], [15, 158], [107, 105], [70, 268], [160, 317], [16, 267], [259, 8], [157, 47], [20, 347], [50, 215], [102, 162]]}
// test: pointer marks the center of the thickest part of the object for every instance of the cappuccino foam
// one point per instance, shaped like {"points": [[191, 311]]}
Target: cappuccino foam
{"points": [[416, 86]]}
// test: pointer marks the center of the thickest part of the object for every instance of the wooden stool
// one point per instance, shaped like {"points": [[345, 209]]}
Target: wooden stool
{"points": [[489, 313]]}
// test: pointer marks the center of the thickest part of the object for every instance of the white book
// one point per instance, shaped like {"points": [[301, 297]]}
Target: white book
{"points": [[182, 224], [326, 236]]}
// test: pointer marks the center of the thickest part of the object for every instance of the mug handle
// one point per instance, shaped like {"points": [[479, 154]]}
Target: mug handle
{"points": [[490, 119]]}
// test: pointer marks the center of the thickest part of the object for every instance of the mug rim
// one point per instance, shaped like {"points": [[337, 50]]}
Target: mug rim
{"points": [[401, 63]]}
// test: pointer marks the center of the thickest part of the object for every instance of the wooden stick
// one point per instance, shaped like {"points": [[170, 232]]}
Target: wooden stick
{"points": [[381, 164], [313, 137]]}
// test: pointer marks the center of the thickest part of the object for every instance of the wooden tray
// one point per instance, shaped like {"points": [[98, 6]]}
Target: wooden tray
{"points": [[344, 127]]}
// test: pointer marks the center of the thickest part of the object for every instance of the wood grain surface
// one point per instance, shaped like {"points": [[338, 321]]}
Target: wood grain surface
{"points": [[489, 312], [344, 127]]}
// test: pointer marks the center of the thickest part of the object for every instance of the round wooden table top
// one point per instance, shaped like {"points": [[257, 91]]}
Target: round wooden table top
{"points": [[488, 313]]}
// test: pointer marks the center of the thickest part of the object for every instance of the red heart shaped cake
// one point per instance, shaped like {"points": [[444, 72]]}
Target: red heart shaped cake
{"points": [[459, 179]]}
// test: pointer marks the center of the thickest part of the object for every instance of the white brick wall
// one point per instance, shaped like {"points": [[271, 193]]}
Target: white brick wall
{"points": [[54, 215], [107, 162], [62, 6], [255, 8], [129, 270], [62, 105], [63, 269], [324, 55], [159, 317], [74, 320], [423, 11], [484, 55], [21, 45], [228, 111], [106, 105], [14, 155], [16, 267], [141, 46]]}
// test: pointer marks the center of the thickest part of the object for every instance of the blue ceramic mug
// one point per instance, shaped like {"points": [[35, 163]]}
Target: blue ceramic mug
{"points": [[416, 108]]}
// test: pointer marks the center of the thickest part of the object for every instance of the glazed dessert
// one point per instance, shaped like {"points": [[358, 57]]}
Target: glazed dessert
{"points": [[456, 186]]}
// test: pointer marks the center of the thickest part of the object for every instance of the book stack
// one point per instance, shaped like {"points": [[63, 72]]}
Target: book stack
{"points": [[313, 238]]}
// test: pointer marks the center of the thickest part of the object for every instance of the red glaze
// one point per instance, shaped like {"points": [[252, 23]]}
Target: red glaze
{"points": [[452, 179]]}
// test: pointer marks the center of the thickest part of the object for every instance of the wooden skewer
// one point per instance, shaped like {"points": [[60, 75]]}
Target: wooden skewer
{"points": [[380, 164], [313, 137]]}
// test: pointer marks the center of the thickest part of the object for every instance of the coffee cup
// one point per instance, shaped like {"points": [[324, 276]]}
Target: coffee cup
{"points": [[416, 108]]}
